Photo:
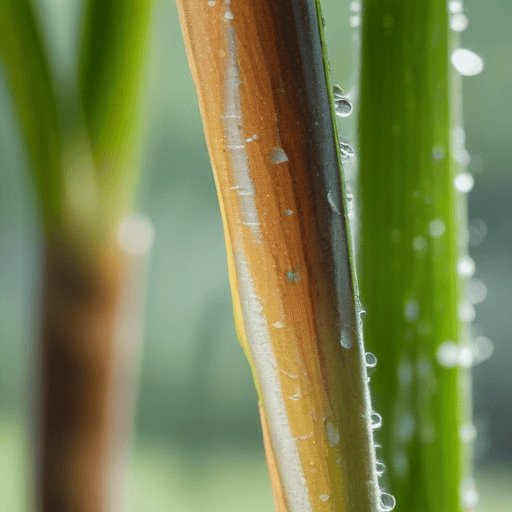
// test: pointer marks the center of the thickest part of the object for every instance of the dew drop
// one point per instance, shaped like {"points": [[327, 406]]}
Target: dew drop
{"points": [[406, 427], [467, 312], [380, 468], [337, 92], [466, 266], [228, 15], [277, 155], [447, 354], [288, 212], [332, 433], [345, 339], [438, 153], [464, 182], [466, 62], [354, 20], [436, 228], [343, 107], [466, 357], [211, 3], [278, 325], [459, 22], [477, 232], [482, 348], [376, 420], [355, 6], [455, 6], [419, 243], [405, 373], [477, 291], [292, 277], [469, 494], [324, 497], [370, 360], [346, 150], [462, 156], [411, 310], [387, 502], [468, 432]]}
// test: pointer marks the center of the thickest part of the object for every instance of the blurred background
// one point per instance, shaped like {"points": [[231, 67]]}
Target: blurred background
{"points": [[198, 441]]}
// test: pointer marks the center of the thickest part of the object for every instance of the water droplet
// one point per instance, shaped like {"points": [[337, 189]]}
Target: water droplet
{"points": [[477, 291], [355, 6], [387, 502], [462, 156], [465, 357], [419, 243], [370, 360], [469, 494], [447, 354], [343, 107], [464, 182], [332, 433], [278, 325], [411, 310], [466, 62], [467, 312], [211, 3], [354, 20], [477, 232], [292, 277], [401, 464], [296, 396], [423, 367], [482, 348], [345, 339], [380, 468], [468, 432], [346, 150], [288, 212], [436, 228], [332, 203], [405, 373], [337, 92], [376, 419], [324, 497], [428, 433], [250, 139], [228, 15], [466, 266], [438, 153], [406, 427], [459, 22], [277, 155], [455, 6]]}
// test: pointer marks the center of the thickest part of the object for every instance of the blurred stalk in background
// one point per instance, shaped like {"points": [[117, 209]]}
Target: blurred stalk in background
{"points": [[412, 246], [94, 253]]}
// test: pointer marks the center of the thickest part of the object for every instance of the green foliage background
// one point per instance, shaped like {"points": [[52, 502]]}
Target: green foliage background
{"points": [[198, 433]]}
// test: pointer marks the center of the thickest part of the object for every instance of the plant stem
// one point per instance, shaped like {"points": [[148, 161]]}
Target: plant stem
{"points": [[409, 249], [260, 77]]}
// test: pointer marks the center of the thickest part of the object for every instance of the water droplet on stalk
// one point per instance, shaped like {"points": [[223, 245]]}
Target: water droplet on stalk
{"points": [[477, 291], [346, 150], [370, 360], [468, 432], [332, 433], [459, 22], [380, 468], [277, 155], [455, 6], [387, 502], [447, 354], [464, 182], [437, 228], [343, 107], [324, 497], [354, 20], [411, 310], [467, 312], [337, 91], [376, 420], [466, 62], [466, 266]]}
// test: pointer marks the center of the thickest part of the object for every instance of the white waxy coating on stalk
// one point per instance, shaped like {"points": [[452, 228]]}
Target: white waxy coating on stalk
{"points": [[234, 135], [265, 364]]}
